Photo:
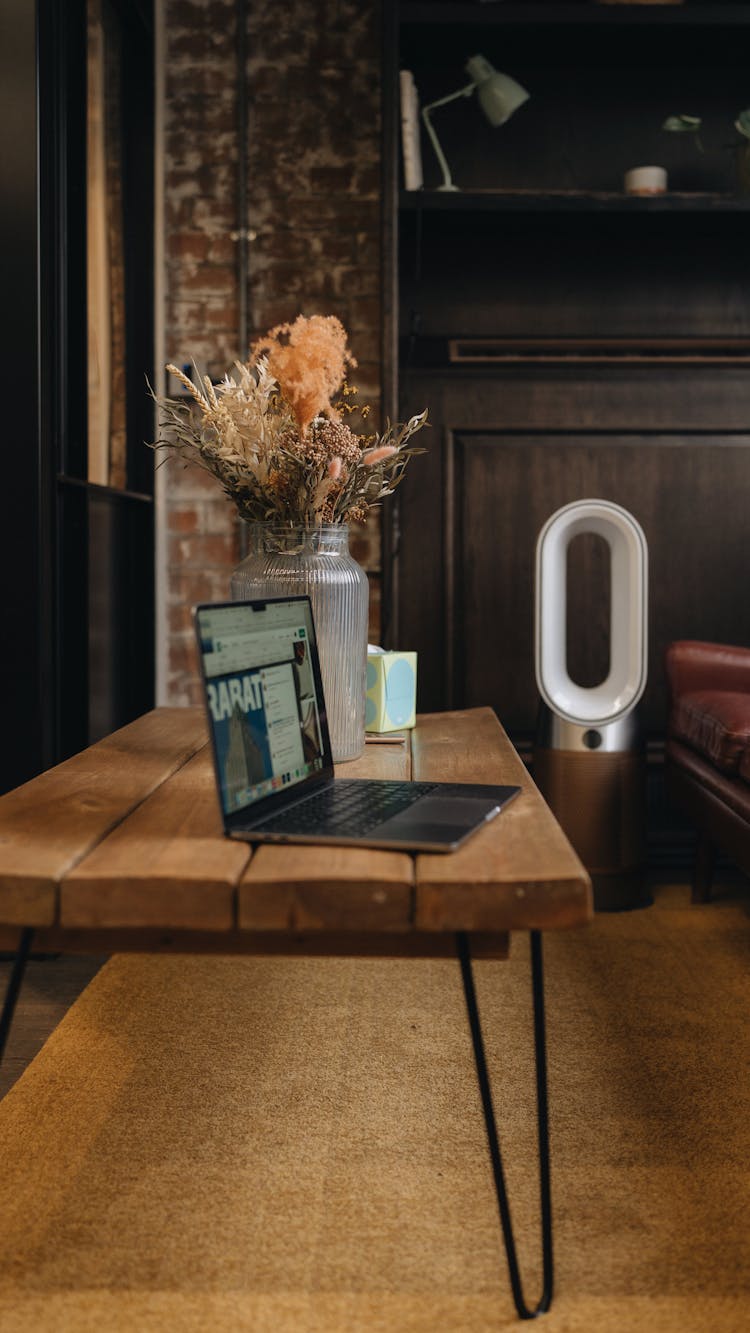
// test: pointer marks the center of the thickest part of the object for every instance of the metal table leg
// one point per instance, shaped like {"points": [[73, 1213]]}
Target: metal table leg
{"points": [[14, 985], [537, 981]]}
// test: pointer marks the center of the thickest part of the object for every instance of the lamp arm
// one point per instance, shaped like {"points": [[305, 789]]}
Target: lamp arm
{"points": [[440, 155]]}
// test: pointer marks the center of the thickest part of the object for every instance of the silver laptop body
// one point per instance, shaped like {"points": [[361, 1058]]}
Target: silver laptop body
{"points": [[272, 750]]}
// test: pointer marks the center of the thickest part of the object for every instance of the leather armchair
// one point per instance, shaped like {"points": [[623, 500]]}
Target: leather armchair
{"points": [[708, 750]]}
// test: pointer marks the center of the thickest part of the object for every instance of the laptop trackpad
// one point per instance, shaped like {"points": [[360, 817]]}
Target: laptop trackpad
{"points": [[425, 837], [442, 812]]}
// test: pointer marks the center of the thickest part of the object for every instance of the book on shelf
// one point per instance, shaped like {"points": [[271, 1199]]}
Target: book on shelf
{"points": [[410, 144]]}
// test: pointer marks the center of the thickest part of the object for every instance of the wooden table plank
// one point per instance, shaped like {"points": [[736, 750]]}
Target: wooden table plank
{"points": [[333, 888], [380, 759], [326, 888], [520, 872], [167, 865], [50, 823], [128, 834], [465, 746]]}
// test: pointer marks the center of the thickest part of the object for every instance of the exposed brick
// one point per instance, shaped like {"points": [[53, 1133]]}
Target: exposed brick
{"points": [[314, 166], [202, 550], [180, 619], [194, 16], [191, 118], [183, 654], [186, 245], [213, 211], [209, 278], [221, 316], [198, 68], [365, 314], [184, 690], [222, 250], [182, 314], [332, 180], [220, 516], [177, 212], [187, 481], [368, 251], [288, 244], [366, 345], [188, 586], [335, 247], [365, 548], [184, 519], [373, 629], [273, 310]]}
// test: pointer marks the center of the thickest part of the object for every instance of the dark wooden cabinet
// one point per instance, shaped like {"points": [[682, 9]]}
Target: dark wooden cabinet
{"points": [[494, 473], [569, 341]]}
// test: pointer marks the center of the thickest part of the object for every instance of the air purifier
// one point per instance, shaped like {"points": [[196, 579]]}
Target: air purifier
{"points": [[588, 756]]}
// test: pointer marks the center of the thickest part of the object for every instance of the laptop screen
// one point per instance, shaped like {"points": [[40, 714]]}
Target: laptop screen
{"points": [[263, 695]]}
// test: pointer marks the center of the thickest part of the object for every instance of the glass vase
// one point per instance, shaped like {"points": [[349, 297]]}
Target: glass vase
{"points": [[283, 562]]}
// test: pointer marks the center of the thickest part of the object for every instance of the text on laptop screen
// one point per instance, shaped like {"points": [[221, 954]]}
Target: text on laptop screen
{"points": [[261, 695]]}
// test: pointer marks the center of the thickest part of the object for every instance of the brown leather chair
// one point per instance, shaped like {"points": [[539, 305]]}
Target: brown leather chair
{"points": [[708, 750]]}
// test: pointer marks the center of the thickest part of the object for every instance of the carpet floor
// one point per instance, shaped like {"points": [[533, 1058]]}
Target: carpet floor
{"points": [[297, 1146]]}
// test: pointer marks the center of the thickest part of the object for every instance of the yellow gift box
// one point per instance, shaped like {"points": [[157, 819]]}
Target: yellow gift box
{"points": [[391, 702]]}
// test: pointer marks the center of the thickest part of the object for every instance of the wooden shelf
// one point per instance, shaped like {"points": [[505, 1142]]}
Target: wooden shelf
{"points": [[567, 15], [567, 201], [486, 353]]}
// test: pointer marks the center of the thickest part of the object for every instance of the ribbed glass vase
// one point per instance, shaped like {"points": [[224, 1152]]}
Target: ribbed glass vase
{"points": [[285, 561]]}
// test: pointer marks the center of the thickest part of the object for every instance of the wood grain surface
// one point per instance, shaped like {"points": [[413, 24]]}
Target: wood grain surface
{"points": [[333, 888], [380, 759], [520, 872], [167, 865], [130, 837], [49, 824]]}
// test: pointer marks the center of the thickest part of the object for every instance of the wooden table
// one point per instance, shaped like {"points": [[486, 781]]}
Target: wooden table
{"points": [[121, 848]]}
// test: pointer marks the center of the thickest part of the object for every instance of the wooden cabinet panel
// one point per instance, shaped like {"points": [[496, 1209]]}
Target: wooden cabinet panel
{"points": [[472, 274], [485, 500]]}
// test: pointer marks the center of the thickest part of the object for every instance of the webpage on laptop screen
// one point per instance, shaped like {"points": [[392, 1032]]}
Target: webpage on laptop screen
{"points": [[261, 698]]}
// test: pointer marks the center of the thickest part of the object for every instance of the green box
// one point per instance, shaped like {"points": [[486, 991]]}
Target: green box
{"points": [[391, 703]]}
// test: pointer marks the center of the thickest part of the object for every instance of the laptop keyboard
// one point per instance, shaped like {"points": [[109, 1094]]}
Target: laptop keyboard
{"points": [[347, 808]]}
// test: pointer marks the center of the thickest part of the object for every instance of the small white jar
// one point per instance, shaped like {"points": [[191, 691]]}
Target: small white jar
{"points": [[646, 180]]}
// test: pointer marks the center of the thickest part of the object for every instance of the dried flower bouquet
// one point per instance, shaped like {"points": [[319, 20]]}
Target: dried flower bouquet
{"points": [[275, 438]]}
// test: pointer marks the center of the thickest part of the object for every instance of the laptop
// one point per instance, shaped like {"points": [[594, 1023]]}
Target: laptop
{"points": [[272, 750]]}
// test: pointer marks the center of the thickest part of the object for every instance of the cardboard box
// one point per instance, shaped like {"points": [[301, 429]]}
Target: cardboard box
{"points": [[391, 691]]}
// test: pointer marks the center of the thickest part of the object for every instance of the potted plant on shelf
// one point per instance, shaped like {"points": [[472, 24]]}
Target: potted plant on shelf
{"points": [[276, 434], [683, 124]]}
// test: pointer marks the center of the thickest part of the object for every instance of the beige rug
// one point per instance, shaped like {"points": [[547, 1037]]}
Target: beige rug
{"points": [[297, 1146]]}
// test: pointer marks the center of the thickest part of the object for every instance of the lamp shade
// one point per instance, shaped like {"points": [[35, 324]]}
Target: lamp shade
{"points": [[499, 95]]}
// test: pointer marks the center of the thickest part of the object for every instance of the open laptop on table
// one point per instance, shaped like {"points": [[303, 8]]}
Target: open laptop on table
{"points": [[272, 751]]}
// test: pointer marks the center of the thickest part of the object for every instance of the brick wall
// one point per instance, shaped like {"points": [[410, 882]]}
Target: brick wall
{"points": [[313, 174]]}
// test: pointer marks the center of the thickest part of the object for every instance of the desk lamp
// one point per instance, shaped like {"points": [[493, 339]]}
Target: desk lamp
{"points": [[499, 96]]}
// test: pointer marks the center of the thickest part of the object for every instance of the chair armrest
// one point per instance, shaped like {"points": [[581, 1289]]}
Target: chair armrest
{"points": [[691, 665]]}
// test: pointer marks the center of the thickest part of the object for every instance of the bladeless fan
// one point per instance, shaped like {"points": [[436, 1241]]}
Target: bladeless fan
{"points": [[588, 759]]}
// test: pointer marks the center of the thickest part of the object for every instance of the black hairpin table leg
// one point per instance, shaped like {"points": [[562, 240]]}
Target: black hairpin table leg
{"points": [[464, 954], [14, 986]]}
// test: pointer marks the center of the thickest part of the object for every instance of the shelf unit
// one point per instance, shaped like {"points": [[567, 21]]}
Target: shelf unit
{"points": [[591, 117], [608, 335]]}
